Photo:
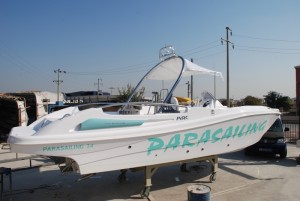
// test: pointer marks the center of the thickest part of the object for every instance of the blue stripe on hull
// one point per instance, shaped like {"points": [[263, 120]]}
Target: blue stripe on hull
{"points": [[92, 124]]}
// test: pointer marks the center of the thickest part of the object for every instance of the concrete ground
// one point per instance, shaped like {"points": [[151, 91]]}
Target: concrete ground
{"points": [[239, 177]]}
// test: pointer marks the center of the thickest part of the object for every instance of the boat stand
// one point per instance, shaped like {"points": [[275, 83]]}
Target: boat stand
{"points": [[149, 171]]}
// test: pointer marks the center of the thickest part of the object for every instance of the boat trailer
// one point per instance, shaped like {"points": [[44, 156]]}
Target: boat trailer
{"points": [[149, 171]]}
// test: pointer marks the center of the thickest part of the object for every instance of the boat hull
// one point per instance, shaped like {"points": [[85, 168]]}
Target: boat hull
{"points": [[173, 142]]}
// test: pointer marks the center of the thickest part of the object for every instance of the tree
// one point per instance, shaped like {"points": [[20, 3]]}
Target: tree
{"points": [[251, 100], [224, 102], [125, 92], [276, 100]]}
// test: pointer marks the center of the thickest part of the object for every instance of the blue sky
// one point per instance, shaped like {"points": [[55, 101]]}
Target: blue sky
{"points": [[118, 41]]}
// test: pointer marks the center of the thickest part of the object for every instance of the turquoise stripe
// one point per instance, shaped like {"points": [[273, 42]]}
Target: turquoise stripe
{"points": [[92, 124]]}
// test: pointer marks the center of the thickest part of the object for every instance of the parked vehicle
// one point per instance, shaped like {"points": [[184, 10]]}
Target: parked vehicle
{"points": [[272, 142]]}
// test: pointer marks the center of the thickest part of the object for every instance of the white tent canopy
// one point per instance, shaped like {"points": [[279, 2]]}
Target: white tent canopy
{"points": [[170, 69]]}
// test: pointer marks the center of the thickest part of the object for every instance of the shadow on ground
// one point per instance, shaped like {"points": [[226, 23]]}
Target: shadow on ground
{"points": [[51, 185]]}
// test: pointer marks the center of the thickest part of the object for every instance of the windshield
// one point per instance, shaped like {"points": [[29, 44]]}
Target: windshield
{"points": [[276, 127]]}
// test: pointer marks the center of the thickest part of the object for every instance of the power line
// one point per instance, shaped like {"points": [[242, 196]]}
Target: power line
{"points": [[23, 64], [209, 55], [267, 39], [192, 53], [265, 51], [201, 46], [112, 72], [268, 48], [142, 67]]}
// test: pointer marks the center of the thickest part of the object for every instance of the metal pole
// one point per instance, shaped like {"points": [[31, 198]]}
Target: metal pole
{"points": [[188, 91], [227, 49], [215, 90], [98, 91], [58, 82], [192, 84]]}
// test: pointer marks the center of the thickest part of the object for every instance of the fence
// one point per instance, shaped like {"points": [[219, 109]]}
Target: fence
{"points": [[292, 135]]}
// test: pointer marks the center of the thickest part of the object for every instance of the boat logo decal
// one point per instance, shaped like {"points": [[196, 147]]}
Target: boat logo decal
{"points": [[182, 118], [73, 147], [192, 139]]}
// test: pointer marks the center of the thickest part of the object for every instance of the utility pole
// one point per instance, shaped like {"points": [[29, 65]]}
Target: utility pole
{"points": [[58, 81], [98, 84], [98, 91], [227, 49], [111, 90], [192, 84]]}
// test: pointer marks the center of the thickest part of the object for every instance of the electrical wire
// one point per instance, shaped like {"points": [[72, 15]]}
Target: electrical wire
{"points": [[265, 51], [19, 62], [203, 50], [143, 67], [210, 55], [201, 46], [268, 48], [25, 66], [266, 39]]}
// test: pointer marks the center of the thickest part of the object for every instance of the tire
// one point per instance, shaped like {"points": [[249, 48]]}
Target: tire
{"points": [[298, 160], [283, 154]]}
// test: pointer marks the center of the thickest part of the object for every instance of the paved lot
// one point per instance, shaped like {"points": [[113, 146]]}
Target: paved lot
{"points": [[239, 178]]}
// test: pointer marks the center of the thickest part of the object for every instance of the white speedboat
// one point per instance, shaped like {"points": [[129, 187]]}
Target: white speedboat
{"points": [[145, 133]]}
